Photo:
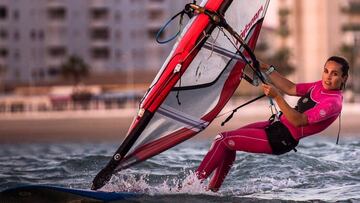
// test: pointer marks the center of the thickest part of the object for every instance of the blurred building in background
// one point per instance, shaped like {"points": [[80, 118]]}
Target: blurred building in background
{"points": [[315, 35], [351, 40], [312, 31], [111, 36], [37, 36]]}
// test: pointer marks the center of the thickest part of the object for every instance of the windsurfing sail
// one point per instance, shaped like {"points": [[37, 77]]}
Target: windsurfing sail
{"points": [[197, 79]]}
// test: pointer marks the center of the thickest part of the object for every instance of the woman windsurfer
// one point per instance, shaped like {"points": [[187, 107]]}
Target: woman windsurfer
{"points": [[319, 106]]}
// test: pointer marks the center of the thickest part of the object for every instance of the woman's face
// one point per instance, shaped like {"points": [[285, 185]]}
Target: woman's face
{"points": [[332, 76]]}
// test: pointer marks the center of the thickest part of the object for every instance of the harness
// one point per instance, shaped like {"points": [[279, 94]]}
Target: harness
{"points": [[280, 138]]}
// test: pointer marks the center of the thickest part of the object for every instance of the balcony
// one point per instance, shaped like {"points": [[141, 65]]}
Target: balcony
{"points": [[100, 54], [54, 62], [56, 55], [353, 8], [97, 3], [55, 3], [99, 23], [56, 38], [99, 43], [351, 27], [156, 4]]}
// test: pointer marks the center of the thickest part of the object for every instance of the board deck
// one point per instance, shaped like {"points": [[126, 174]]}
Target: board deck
{"points": [[46, 193]]}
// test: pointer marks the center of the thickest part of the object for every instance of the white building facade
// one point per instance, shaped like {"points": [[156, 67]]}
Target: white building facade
{"points": [[37, 36]]}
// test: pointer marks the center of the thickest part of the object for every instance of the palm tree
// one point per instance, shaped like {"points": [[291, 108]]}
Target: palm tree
{"points": [[75, 68], [281, 59]]}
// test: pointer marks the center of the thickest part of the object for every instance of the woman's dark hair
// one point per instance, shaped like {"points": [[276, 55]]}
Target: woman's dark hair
{"points": [[343, 62]]}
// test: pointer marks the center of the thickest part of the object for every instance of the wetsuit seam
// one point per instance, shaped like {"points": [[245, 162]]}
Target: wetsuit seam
{"points": [[217, 178], [248, 137], [311, 97], [213, 154]]}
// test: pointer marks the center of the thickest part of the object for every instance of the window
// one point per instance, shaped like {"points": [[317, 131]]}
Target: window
{"points": [[156, 14], [100, 53], [53, 71], [3, 12], [58, 13], [3, 52], [152, 33], [99, 13], [100, 33], [57, 51], [38, 74]]}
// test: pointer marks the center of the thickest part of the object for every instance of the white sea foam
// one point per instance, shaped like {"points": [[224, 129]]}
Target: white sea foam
{"points": [[131, 183], [127, 183]]}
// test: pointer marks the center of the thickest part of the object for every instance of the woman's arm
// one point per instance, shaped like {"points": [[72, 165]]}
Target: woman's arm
{"points": [[294, 117], [280, 81]]}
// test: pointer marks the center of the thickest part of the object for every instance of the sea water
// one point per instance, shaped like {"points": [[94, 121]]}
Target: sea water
{"points": [[320, 171]]}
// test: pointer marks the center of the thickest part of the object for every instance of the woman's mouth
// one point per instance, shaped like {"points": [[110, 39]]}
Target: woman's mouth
{"points": [[327, 83]]}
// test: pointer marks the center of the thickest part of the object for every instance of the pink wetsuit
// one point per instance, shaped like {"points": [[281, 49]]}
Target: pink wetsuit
{"points": [[325, 109]]}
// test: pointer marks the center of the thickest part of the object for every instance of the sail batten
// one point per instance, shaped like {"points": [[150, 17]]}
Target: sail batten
{"points": [[181, 117]]}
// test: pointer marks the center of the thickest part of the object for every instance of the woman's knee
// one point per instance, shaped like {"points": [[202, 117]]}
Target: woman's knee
{"points": [[225, 139], [217, 141]]}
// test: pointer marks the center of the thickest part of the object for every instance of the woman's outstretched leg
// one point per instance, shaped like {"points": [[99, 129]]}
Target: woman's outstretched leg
{"points": [[222, 170], [222, 152], [211, 160]]}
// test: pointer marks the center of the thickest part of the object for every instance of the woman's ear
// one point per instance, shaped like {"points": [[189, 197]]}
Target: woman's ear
{"points": [[343, 83]]}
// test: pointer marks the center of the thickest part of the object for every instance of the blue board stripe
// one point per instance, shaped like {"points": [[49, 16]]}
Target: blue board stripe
{"points": [[98, 195]]}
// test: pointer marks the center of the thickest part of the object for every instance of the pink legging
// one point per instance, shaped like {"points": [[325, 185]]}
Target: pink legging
{"points": [[250, 138]]}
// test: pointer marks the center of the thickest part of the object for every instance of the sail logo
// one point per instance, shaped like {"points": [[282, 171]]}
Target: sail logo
{"points": [[252, 22]]}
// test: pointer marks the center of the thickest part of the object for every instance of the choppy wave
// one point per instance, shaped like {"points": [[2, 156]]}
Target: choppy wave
{"points": [[320, 171]]}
